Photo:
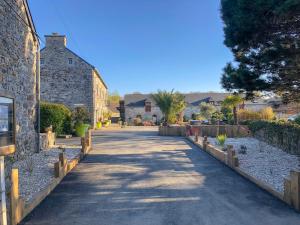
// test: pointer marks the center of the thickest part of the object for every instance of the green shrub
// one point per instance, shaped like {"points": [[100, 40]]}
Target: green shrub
{"points": [[137, 121], [57, 115], [80, 115], [273, 126], [285, 135], [221, 139], [297, 120]]}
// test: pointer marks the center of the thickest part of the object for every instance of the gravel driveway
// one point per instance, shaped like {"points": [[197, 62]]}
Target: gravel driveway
{"points": [[133, 177]]}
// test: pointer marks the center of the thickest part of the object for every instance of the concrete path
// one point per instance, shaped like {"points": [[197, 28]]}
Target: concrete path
{"points": [[134, 177]]}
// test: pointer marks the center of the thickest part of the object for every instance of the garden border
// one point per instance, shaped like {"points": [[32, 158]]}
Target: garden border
{"points": [[20, 209], [291, 195]]}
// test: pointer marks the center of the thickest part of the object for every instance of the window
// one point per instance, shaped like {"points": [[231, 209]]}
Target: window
{"points": [[70, 61], [148, 106], [42, 61], [7, 122], [2, 59]]}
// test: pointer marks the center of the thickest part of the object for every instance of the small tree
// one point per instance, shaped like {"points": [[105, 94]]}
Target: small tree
{"points": [[232, 102], [170, 103], [114, 98], [217, 116], [179, 105], [80, 115], [227, 112], [207, 110]]}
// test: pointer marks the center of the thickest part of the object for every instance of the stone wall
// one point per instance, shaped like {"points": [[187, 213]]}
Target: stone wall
{"points": [[100, 98], [62, 81], [19, 74]]}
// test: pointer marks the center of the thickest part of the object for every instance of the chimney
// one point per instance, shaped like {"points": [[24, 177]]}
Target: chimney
{"points": [[56, 40]]}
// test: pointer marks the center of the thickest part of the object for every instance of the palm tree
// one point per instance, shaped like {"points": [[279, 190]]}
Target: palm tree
{"points": [[232, 101], [170, 104]]}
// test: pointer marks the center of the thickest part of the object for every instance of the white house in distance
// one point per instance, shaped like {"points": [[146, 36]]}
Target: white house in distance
{"points": [[143, 106]]}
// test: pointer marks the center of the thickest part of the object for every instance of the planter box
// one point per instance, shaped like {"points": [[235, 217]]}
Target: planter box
{"points": [[212, 130], [172, 131]]}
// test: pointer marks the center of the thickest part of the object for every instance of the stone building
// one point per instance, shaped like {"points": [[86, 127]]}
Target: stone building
{"points": [[143, 106], [68, 79], [19, 72]]}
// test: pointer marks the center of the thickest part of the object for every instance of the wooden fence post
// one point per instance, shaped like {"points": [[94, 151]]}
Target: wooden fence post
{"points": [[16, 205], [196, 136], [287, 191], [205, 142], [295, 189], [232, 159]]}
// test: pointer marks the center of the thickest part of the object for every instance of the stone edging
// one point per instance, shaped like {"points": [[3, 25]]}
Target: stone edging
{"points": [[20, 209], [291, 194]]}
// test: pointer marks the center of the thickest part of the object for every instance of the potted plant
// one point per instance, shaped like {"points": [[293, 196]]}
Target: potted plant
{"points": [[81, 121]]}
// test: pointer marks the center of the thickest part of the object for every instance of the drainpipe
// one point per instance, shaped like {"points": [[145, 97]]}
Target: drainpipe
{"points": [[3, 218], [38, 97]]}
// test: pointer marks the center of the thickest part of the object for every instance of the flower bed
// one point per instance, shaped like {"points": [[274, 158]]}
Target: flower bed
{"points": [[265, 162]]}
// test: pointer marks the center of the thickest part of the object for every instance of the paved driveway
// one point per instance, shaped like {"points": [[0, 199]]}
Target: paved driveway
{"points": [[134, 177]]}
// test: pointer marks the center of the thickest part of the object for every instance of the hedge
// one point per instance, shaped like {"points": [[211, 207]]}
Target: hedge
{"points": [[57, 115], [285, 135]]}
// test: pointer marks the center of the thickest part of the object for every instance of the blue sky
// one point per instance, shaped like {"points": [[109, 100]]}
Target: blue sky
{"points": [[142, 45]]}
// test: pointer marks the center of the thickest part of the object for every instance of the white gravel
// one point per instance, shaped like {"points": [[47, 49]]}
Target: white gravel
{"points": [[37, 171], [265, 162]]}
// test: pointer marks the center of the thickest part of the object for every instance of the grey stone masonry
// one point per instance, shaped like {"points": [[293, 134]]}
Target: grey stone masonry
{"points": [[19, 72], [19, 78], [68, 79]]}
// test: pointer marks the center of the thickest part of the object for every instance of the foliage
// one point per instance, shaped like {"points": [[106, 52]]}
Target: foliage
{"points": [[285, 135], [170, 103], [207, 110], [264, 114], [80, 115], [137, 121], [57, 115], [217, 117], [232, 102], [228, 115], [297, 120], [267, 113], [107, 115], [244, 114], [273, 127], [266, 50], [114, 98], [221, 139]]}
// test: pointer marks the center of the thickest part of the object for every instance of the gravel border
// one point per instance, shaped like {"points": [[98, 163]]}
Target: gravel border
{"points": [[37, 171], [262, 161]]}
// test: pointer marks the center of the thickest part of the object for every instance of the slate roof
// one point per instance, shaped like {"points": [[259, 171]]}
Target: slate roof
{"points": [[193, 99]]}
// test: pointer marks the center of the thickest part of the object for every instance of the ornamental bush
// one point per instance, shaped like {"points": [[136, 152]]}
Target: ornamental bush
{"points": [[264, 114], [285, 135], [267, 113], [297, 120], [56, 115], [244, 115]]}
